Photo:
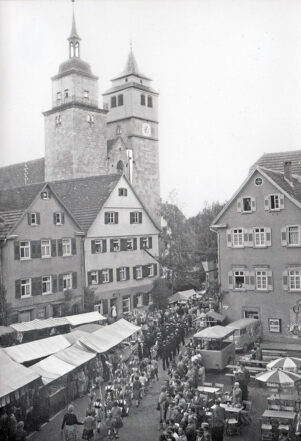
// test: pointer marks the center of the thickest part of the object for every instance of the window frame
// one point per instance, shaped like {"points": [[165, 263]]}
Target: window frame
{"points": [[289, 244], [274, 195], [120, 100], [260, 276], [34, 215], [237, 233], [139, 272], [50, 285], [94, 274], [296, 278], [25, 285], [67, 277], [128, 300], [115, 242], [122, 273], [113, 102], [105, 275], [59, 218], [149, 101], [142, 100], [122, 192], [151, 270], [243, 287], [243, 199], [25, 247], [69, 245], [259, 234], [111, 217], [129, 241], [136, 217], [43, 247], [99, 242]]}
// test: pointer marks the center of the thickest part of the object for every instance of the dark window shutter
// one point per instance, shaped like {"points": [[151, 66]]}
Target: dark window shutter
{"points": [[118, 274], [250, 237], [73, 246], [268, 236], [54, 283], [252, 281], [60, 247], [36, 286], [100, 277], [111, 245], [283, 236], [107, 217], [54, 218], [246, 237], [145, 298], [105, 306], [135, 301], [140, 218], [62, 217], [285, 280], [150, 242], [61, 285], [127, 273], [53, 247], [74, 280], [145, 271], [116, 217], [230, 280], [89, 278], [29, 218], [135, 243], [247, 280], [38, 249], [155, 269], [93, 247], [17, 249], [18, 289], [131, 217], [123, 245], [111, 275], [33, 249], [104, 246], [38, 218], [141, 243], [135, 272]]}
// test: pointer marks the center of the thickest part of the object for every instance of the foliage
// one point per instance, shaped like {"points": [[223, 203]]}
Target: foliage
{"points": [[4, 306], [161, 291], [89, 299]]}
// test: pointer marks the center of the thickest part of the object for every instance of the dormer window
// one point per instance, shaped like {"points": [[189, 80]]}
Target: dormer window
{"points": [[113, 101], [58, 120], [149, 101], [86, 94], [142, 100]]}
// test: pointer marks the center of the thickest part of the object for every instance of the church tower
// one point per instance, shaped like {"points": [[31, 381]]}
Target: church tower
{"points": [[75, 144], [132, 133]]}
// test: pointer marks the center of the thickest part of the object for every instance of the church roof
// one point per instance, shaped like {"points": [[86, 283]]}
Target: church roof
{"points": [[23, 173], [75, 64], [274, 161], [128, 85], [131, 68], [73, 35]]}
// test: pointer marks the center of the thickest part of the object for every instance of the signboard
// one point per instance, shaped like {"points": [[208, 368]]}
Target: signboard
{"points": [[274, 325]]}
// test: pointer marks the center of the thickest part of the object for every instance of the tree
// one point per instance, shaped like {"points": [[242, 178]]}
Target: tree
{"points": [[89, 299], [4, 306], [161, 291]]}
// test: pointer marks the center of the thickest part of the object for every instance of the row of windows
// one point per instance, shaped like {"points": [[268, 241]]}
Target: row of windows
{"points": [[66, 95], [44, 248], [117, 100], [111, 217], [97, 277], [89, 118], [272, 202], [260, 237], [34, 218], [138, 300], [261, 279], [49, 284], [99, 246]]}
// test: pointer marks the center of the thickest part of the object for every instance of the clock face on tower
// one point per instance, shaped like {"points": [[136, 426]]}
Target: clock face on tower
{"points": [[146, 129]]}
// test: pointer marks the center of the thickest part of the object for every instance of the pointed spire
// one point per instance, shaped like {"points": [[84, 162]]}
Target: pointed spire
{"points": [[73, 35], [131, 66]]}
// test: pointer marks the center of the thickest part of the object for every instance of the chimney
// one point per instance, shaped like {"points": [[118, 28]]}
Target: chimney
{"points": [[287, 169]]}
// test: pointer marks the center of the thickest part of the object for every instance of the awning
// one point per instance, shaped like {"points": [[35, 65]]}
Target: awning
{"points": [[5, 330], [214, 333], [39, 324], [215, 316], [89, 327], [61, 363], [182, 296], [13, 377], [75, 335], [37, 349], [88, 317]]}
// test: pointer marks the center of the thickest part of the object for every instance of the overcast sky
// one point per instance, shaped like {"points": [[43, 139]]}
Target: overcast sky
{"points": [[228, 73]]}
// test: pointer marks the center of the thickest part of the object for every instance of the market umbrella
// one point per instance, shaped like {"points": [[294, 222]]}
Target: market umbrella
{"points": [[278, 378], [285, 363]]}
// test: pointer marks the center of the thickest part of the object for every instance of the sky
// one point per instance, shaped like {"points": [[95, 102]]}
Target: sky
{"points": [[228, 73]]}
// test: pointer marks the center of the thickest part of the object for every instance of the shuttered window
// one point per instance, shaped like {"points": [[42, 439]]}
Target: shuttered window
{"points": [[111, 217], [98, 246], [25, 250], [46, 285], [237, 238], [33, 219], [25, 288], [294, 279], [136, 217], [58, 218], [274, 202], [45, 248]]}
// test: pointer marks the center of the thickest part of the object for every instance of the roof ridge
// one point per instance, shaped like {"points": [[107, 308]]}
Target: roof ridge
{"points": [[23, 162]]}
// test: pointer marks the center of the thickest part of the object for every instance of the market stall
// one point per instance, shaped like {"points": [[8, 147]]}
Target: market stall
{"points": [[82, 319], [37, 329], [182, 296], [217, 352]]}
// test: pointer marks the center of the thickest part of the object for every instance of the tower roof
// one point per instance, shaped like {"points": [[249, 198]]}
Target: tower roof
{"points": [[131, 68], [73, 35]]}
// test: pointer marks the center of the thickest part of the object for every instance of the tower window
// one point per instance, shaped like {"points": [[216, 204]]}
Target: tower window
{"points": [[149, 101], [113, 101], [76, 49], [118, 130], [120, 100], [58, 96], [142, 100], [66, 93], [90, 119], [120, 166], [71, 49], [86, 94], [58, 120]]}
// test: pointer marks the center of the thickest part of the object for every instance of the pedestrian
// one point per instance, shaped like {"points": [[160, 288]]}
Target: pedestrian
{"points": [[137, 387], [20, 433], [89, 426], [12, 424], [3, 424], [69, 425], [218, 421]]}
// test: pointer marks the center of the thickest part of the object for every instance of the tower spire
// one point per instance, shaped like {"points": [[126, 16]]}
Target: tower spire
{"points": [[74, 38]]}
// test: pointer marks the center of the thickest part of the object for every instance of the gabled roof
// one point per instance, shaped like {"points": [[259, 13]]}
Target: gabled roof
{"points": [[292, 189], [274, 161], [85, 197], [112, 142]]}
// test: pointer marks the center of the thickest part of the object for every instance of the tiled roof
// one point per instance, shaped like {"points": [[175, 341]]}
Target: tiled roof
{"points": [[293, 188], [275, 161], [24, 173], [10, 220], [85, 197]]}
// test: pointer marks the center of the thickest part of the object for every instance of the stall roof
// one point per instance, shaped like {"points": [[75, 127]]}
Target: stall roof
{"points": [[89, 327], [13, 376], [5, 330], [39, 324], [75, 335], [61, 363], [88, 317], [214, 332], [242, 323], [37, 349], [215, 315], [182, 295]]}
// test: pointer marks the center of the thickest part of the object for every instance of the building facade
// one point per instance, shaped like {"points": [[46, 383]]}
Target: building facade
{"points": [[259, 247], [41, 255]]}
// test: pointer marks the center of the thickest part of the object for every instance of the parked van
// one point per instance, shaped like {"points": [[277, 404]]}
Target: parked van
{"points": [[247, 331]]}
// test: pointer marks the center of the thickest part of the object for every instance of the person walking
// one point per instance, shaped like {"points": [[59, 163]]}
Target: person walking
{"points": [[218, 421], [137, 387], [89, 426], [69, 425]]}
